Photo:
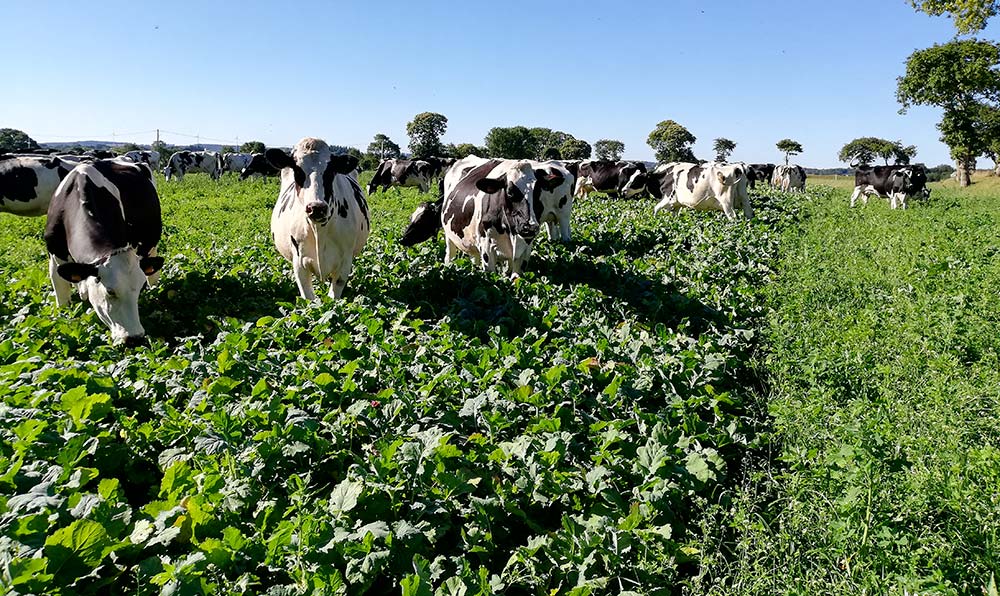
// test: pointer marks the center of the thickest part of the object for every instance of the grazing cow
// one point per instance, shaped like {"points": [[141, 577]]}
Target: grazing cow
{"points": [[789, 178], [28, 182], [150, 158], [102, 230], [234, 162], [552, 207], [703, 187], [897, 183], [487, 212], [759, 172], [404, 172], [320, 222], [617, 178], [184, 162], [259, 166]]}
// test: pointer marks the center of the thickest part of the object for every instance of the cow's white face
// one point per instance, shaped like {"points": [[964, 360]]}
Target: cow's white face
{"points": [[112, 287], [636, 184], [308, 174]]}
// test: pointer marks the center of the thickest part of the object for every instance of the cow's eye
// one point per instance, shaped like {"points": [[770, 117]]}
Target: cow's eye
{"points": [[113, 295]]}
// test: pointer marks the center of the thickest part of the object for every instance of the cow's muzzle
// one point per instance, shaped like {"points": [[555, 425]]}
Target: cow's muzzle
{"points": [[316, 211], [134, 341]]}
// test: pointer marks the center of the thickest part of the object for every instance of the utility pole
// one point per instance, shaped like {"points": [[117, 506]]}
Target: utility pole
{"points": [[157, 137]]}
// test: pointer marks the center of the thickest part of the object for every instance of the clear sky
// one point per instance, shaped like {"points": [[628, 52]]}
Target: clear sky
{"points": [[753, 71]]}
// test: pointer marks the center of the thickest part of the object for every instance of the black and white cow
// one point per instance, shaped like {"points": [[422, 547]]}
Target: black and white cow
{"points": [[702, 187], [184, 162], [897, 183], [405, 172], [320, 222], [234, 162], [27, 182], [150, 158], [487, 212], [790, 178], [102, 231], [617, 178], [259, 166], [553, 207], [759, 172]]}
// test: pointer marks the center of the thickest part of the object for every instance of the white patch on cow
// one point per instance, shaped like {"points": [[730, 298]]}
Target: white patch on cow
{"points": [[114, 293], [418, 213], [95, 176]]}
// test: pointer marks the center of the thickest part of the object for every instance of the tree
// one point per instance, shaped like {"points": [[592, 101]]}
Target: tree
{"points": [[863, 151], [13, 141], [228, 149], [723, 148], [383, 147], [962, 78], [514, 142], [609, 149], [551, 153], [575, 149], [969, 15], [789, 147], [466, 149], [126, 147], [672, 142], [252, 147], [425, 132]]}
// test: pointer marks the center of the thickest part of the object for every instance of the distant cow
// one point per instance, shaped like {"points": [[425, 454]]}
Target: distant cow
{"points": [[487, 211], [617, 178], [553, 207], [897, 183], [234, 162], [405, 172], [150, 158], [185, 162], [789, 178], [102, 231], [27, 183], [703, 187], [759, 172], [320, 222], [259, 166]]}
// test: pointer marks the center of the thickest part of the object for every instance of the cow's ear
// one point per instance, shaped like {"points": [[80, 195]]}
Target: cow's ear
{"points": [[76, 272], [344, 164], [550, 180], [279, 159], [150, 265], [491, 185]]}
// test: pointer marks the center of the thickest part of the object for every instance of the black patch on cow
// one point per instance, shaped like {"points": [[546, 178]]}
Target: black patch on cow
{"points": [[424, 227], [17, 183], [342, 208], [692, 177], [455, 207], [295, 245], [359, 198], [281, 160]]}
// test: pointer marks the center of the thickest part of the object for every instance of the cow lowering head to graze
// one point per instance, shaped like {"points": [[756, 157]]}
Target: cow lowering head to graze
{"points": [[703, 187], [616, 178], [259, 166], [234, 162], [759, 172], [27, 183], [790, 178], [404, 172], [898, 183], [150, 158], [102, 231], [320, 222], [186, 162]]}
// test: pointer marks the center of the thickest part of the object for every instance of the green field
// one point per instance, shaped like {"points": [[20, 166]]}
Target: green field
{"points": [[802, 404]]}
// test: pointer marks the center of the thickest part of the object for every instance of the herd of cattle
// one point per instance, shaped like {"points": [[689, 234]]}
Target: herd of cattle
{"points": [[104, 220]]}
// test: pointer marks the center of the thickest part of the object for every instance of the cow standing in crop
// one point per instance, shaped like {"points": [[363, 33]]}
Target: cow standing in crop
{"points": [[234, 162], [150, 158], [184, 162], [27, 182], [897, 183], [616, 178], [759, 172], [404, 172], [259, 166], [553, 207], [789, 178], [102, 232], [702, 187], [320, 222]]}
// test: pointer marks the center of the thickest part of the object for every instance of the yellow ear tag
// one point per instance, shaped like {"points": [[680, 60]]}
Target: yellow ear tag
{"points": [[149, 270]]}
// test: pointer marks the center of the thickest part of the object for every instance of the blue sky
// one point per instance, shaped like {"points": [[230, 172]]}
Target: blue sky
{"points": [[752, 71]]}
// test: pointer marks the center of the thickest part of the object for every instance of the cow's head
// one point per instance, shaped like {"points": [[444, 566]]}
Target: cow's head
{"points": [[510, 198], [112, 287], [911, 181], [309, 173], [633, 181], [424, 224]]}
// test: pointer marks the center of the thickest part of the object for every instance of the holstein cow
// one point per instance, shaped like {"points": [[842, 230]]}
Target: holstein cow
{"points": [[259, 166], [552, 207], [184, 162], [404, 172], [898, 183], [789, 178], [759, 172], [150, 158], [234, 162], [625, 178], [102, 230], [27, 183], [487, 211], [320, 222], [703, 187]]}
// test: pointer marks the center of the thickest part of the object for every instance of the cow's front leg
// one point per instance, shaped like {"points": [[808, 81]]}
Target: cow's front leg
{"points": [[62, 288], [564, 228], [450, 250], [487, 256], [727, 208], [154, 279], [339, 281], [747, 209], [550, 230], [854, 196], [303, 279]]}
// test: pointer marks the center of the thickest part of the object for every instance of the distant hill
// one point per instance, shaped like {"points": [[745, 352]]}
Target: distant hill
{"points": [[113, 144]]}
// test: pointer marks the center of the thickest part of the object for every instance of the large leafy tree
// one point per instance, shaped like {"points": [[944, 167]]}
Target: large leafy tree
{"points": [[252, 147], [609, 149], [425, 132], [382, 147], [549, 142], [575, 149], [466, 149], [864, 150], [969, 15], [961, 77], [789, 148], [672, 142], [723, 148], [13, 141], [513, 142]]}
